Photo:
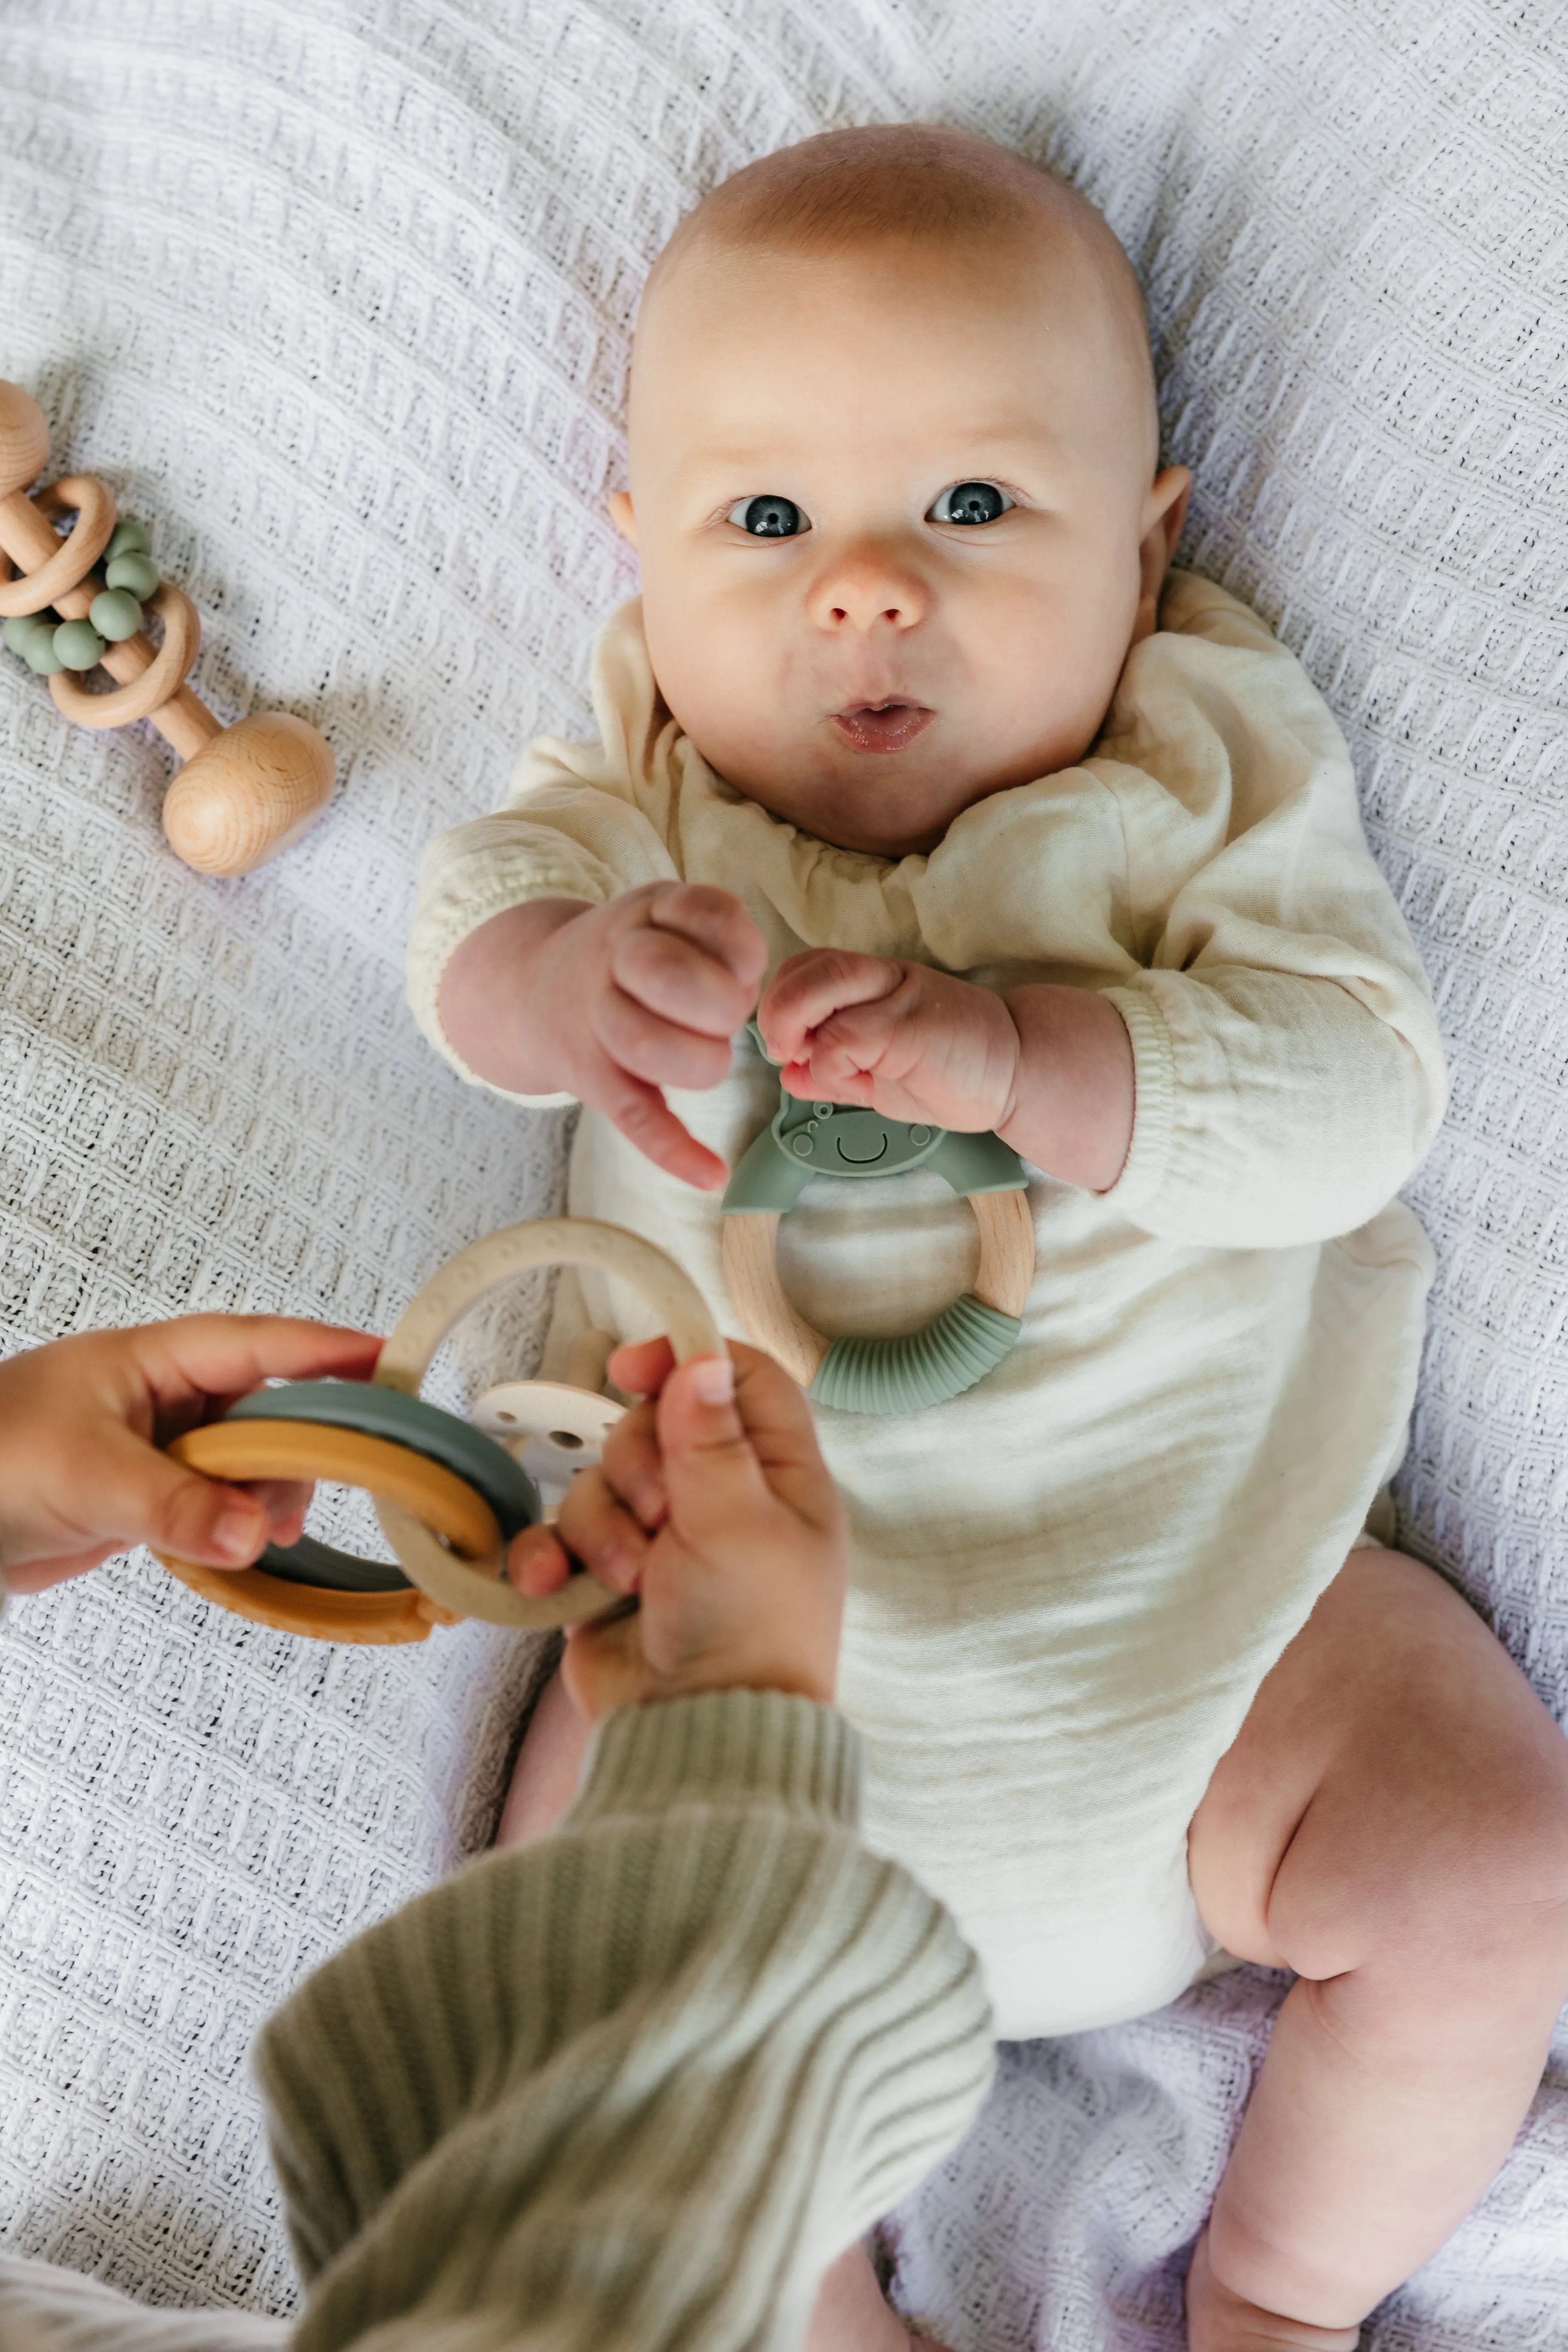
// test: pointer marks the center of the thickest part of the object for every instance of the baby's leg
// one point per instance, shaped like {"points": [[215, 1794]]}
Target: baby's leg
{"points": [[549, 1765], [1392, 1824]]}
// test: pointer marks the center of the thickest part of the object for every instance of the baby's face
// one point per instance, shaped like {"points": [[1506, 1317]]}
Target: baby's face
{"points": [[897, 523]]}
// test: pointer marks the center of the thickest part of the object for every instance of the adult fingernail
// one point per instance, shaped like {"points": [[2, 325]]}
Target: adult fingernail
{"points": [[713, 1378], [235, 1534]]}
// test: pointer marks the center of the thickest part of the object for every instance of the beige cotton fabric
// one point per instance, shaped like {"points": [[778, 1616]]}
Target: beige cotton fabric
{"points": [[1068, 1583]]}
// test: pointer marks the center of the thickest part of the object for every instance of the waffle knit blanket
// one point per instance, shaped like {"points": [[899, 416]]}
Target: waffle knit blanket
{"points": [[337, 297]]}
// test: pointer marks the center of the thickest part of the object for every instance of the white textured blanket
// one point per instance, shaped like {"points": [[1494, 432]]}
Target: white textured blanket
{"points": [[337, 297]]}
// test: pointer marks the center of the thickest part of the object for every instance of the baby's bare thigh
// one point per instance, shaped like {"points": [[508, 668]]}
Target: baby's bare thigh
{"points": [[1396, 1775]]}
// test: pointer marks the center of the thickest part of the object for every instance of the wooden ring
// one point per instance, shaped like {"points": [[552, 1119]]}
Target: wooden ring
{"points": [[472, 1275], [95, 513], [750, 1250], [158, 682]]}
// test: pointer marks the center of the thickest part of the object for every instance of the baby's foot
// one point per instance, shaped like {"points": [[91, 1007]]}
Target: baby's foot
{"points": [[1221, 2321], [850, 2316]]}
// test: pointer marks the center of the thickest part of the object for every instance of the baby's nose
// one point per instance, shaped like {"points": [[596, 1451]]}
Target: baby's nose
{"points": [[866, 586]]}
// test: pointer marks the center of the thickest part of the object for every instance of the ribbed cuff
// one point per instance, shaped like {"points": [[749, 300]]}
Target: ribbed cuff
{"points": [[722, 1745], [1148, 1158], [491, 889]]}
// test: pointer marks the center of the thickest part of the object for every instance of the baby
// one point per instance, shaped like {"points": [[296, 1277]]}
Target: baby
{"points": [[912, 747]]}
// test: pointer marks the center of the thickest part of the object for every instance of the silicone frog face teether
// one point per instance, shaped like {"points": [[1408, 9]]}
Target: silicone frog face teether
{"points": [[963, 1343]]}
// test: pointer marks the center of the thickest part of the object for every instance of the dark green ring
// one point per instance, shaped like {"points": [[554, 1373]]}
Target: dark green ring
{"points": [[423, 1429]]}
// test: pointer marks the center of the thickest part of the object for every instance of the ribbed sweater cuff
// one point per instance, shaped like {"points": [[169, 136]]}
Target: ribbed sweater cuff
{"points": [[730, 1747]]}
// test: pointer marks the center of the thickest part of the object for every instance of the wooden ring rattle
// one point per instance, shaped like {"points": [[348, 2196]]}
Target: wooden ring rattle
{"points": [[472, 1275], [437, 1480], [958, 1346], [246, 792]]}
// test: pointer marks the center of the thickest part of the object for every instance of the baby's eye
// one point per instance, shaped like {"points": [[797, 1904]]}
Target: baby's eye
{"points": [[970, 502], [768, 516]]}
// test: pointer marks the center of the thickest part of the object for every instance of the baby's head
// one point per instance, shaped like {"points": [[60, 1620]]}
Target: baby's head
{"points": [[893, 484]]}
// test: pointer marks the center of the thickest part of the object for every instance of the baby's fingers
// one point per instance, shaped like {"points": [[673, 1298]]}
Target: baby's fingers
{"points": [[715, 922], [809, 988], [681, 981], [646, 1119]]}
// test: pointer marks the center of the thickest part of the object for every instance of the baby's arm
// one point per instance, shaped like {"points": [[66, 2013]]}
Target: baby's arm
{"points": [[81, 1426], [1049, 1068], [610, 1004]]}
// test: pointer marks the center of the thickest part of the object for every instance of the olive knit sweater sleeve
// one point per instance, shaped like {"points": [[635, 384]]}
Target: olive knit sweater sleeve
{"points": [[636, 2086]]}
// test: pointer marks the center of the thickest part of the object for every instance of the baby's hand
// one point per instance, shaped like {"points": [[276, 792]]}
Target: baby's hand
{"points": [[911, 1043], [650, 990], [611, 1003], [81, 1423], [711, 1502]]}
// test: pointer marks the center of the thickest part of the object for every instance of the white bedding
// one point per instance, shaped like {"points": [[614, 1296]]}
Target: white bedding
{"points": [[337, 297]]}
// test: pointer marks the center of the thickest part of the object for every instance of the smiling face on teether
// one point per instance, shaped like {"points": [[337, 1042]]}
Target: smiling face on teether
{"points": [[893, 487]]}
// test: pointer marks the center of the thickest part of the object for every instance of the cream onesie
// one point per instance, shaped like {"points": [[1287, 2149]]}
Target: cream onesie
{"points": [[1068, 1582]]}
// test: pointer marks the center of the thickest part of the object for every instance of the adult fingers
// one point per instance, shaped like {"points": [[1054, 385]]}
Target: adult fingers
{"points": [[810, 988], [716, 921]]}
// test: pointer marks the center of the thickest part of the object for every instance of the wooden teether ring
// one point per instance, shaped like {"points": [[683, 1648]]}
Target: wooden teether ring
{"points": [[466, 1279], [73, 558], [749, 1247]]}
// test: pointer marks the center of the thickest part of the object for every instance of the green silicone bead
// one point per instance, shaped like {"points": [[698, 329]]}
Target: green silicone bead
{"points": [[39, 654], [130, 539], [78, 645], [115, 615], [18, 630], [135, 571]]}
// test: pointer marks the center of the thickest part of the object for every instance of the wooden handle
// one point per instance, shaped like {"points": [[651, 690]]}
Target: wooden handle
{"points": [[472, 1275], [247, 791]]}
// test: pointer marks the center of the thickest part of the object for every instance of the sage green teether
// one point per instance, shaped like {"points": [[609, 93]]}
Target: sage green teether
{"points": [[135, 571], [129, 538], [78, 645], [18, 629], [956, 1349], [967, 1339], [39, 651], [115, 615]]}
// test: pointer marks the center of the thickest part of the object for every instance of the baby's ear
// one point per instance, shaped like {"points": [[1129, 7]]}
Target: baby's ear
{"points": [[621, 515]]}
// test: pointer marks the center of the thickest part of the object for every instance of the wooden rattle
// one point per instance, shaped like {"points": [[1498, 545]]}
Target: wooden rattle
{"points": [[246, 792], [449, 1496], [959, 1346]]}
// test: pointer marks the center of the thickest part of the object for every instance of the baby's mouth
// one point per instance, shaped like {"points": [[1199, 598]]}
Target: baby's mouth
{"points": [[891, 725]]}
